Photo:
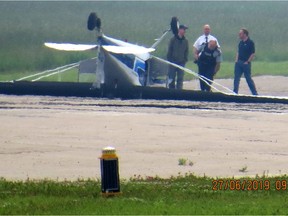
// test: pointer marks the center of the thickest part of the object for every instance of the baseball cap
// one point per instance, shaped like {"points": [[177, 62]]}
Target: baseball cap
{"points": [[183, 27]]}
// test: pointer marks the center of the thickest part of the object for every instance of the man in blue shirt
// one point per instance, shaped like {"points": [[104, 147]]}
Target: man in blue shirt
{"points": [[244, 56]]}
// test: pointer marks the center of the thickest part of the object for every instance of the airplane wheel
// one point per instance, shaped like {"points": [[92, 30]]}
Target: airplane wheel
{"points": [[92, 21], [174, 25], [98, 23]]}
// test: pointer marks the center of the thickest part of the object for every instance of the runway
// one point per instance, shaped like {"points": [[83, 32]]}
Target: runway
{"points": [[62, 137]]}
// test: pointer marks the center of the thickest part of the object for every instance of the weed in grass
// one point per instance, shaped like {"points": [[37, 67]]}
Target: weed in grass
{"points": [[265, 173], [191, 163], [182, 162], [243, 169]]}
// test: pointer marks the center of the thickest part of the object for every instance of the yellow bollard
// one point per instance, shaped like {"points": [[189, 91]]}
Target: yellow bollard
{"points": [[110, 183]]}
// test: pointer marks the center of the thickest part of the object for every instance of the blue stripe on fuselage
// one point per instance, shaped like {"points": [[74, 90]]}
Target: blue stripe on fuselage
{"points": [[129, 60]]}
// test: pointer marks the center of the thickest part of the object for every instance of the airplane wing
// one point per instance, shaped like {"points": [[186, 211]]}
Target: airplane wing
{"points": [[109, 48], [128, 50], [70, 47]]}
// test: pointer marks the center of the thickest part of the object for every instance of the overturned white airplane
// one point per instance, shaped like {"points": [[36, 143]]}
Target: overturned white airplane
{"points": [[121, 64]]}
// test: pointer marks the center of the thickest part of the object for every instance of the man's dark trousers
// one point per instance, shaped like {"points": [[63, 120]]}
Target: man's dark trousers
{"points": [[241, 68], [206, 70], [173, 71]]}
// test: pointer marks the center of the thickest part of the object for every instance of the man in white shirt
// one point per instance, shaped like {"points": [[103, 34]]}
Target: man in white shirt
{"points": [[203, 39]]}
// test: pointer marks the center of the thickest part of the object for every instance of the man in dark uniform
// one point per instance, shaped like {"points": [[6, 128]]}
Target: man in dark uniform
{"points": [[177, 53], [208, 63], [244, 56]]}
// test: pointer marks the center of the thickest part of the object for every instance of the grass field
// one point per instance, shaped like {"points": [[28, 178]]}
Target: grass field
{"points": [[177, 195], [25, 26]]}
